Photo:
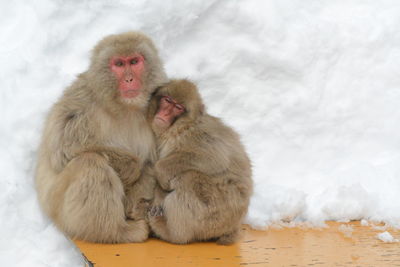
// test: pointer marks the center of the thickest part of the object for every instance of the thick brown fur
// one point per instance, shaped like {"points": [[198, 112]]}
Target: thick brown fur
{"points": [[95, 147], [203, 173]]}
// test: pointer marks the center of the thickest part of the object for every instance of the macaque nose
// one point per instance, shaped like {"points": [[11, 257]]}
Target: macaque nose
{"points": [[129, 80], [128, 77]]}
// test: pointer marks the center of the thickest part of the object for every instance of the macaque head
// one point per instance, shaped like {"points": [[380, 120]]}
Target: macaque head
{"points": [[168, 111], [128, 71], [176, 103], [126, 68]]}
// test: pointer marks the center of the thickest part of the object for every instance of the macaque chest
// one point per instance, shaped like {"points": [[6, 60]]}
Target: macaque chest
{"points": [[130, 133]]}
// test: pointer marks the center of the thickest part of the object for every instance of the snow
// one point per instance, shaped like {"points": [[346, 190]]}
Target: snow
{"points": [[387, 237], [347, 230], [313, 87]]}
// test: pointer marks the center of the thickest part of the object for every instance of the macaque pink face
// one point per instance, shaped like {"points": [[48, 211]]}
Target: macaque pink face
{"points": [[167, 112], [128, 71]]}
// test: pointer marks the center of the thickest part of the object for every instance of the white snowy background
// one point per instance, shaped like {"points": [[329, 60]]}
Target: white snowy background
{"points": [[313, 87]]}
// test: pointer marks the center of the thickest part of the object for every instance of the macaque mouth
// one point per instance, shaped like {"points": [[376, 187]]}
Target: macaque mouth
{"points": [[160, 119], [130, 93]]}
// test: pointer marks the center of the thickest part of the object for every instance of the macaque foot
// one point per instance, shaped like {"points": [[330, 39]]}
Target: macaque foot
{"points": [[156, 211], [139, 210], [157, 222]]}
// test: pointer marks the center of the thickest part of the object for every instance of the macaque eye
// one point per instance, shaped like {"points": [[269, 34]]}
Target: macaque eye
{"points": [[179, 107], [119, 63], [169, 100], [134, 61]]}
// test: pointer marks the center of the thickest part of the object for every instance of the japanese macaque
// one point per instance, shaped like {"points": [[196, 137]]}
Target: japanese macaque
{"points": [[97, 145], [203, 171]]}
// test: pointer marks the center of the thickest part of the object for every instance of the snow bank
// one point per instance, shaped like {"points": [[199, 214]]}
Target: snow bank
{"points": [[313, 88]]}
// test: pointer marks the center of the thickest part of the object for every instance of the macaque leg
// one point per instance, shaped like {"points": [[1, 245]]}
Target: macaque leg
{"points": [[91, 203], [172, 221], [140, 195], [190, 213]]}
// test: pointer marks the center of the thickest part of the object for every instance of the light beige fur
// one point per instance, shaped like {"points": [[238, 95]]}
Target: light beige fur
{"points": [[203, 172], [95, 147]]}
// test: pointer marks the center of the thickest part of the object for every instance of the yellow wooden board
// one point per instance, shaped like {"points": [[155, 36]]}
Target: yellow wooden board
{"points": [[332, 246]]}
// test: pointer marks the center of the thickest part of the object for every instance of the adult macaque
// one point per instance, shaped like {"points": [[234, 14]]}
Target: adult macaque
{"points": [[203, 170], [97, 141]]}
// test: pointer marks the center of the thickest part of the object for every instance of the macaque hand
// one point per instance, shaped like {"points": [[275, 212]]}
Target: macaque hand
{"points": [[156, 211], [165, 173], [126, 165]]}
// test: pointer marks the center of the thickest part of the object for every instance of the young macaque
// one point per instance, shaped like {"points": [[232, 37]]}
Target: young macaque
{"points": [[203, 171]]}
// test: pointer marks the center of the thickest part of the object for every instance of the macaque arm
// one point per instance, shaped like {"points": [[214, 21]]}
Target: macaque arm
{"points": [[127, 166], [174, 165], [64, 137], [169, 168], [67, 140]]}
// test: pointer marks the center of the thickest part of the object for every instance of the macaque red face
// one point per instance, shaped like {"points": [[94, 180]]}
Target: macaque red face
{"points": [[167, 112], [128, 71]]}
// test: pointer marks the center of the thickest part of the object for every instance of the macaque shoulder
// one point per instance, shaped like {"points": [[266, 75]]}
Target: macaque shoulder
{"points": [[216, 131], [213, 137]]}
